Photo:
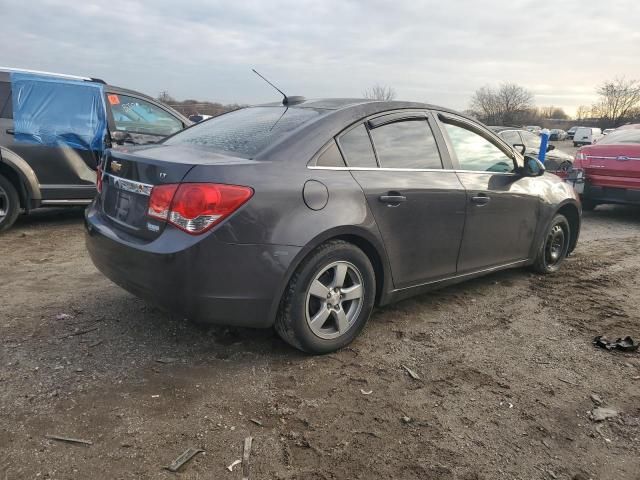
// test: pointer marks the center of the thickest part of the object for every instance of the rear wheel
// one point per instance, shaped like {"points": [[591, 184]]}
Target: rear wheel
{"points": [[9, 204], [328, 300], [555, 246]]}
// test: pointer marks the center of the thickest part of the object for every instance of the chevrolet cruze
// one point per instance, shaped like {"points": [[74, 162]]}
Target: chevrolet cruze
{"points": [[304, 215]]}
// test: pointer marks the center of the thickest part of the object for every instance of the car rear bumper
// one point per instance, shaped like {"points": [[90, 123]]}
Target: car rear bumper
{"points": [[204, 279], [612, 194]]}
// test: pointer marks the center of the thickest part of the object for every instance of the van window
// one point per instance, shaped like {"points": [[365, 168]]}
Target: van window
{"points": [[135, 115], [6, 106]]}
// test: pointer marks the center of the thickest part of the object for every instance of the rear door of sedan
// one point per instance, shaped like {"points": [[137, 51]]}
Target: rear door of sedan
{"points": [[417, 200], [502, 206]]}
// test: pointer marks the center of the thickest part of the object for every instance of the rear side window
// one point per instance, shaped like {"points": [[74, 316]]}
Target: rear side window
{"points": [[406, 144], [476, 153], [330, 157], [6, 106], [357, 149], [245, 132], [136, 115], [621, 136]]}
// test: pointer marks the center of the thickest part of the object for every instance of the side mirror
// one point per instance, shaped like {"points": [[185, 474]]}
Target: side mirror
{"points": [[532, 167], [550, 147], [522, 147]]}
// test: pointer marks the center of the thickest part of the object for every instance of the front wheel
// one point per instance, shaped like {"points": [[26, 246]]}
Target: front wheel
{"points": [[328, 300], [555, 246], [9, 204]]}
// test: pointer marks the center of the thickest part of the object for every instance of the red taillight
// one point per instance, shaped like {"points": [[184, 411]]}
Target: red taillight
{"points": [[160, 201], [99, 179], [196, 207]]}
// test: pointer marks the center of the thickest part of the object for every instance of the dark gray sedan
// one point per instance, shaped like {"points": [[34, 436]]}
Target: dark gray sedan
{"points": [[305, 216]]}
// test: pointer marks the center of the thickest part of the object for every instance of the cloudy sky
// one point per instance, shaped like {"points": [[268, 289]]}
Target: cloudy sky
{"points": [[435, 51]]}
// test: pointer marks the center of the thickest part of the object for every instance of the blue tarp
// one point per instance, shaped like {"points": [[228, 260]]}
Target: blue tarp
{"points": [[58, 112]]}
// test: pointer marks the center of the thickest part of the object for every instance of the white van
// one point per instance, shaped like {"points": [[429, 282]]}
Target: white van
{"points": [[586, 136]]}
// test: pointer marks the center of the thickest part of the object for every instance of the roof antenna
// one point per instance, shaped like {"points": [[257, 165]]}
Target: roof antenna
{"points": [[285, 100]]}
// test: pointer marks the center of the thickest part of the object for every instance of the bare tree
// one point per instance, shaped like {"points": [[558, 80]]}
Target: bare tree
{"points": [[506, 105], [164, 97], [583, 111], [552, 112], [379, 92], [618, 100]]}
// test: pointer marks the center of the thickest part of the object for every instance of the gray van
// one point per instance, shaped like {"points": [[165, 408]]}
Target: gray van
{"points": [[53, 129]]}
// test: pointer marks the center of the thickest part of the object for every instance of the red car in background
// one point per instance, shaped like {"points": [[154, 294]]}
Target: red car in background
{"points": [[611, 168]]}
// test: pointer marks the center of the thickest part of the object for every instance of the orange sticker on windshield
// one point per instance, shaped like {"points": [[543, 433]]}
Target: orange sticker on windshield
{"points": [[113, 99]]}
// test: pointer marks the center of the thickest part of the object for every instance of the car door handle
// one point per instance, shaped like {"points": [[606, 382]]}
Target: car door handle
{"points": [[392, 198], [480, 199], [10, 131]]}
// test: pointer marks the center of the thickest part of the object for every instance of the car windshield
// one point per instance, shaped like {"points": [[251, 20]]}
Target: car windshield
{"points": [[621, 136], [245, 132]]}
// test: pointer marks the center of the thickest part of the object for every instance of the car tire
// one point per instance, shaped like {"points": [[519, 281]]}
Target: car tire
{"points": [[9, 204], [320, 311], [555, 246]]}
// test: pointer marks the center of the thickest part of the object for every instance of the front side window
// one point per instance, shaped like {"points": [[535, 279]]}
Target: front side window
{"points": [[406, 144], [531, 140], [357, 149], [511, 137], [135, 115], [476, 153]]}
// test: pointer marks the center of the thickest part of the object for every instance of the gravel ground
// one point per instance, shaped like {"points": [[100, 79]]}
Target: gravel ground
{"points": [[505, 364]]}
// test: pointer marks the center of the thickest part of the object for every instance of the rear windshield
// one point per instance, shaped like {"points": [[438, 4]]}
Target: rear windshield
{"points": [[245, 132], [621, 136]]}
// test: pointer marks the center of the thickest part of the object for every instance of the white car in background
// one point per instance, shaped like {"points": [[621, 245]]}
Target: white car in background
{"points": [[586, 136], [607, 131]]}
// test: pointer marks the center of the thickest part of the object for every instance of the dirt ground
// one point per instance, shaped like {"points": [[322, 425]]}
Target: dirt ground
{"points": [[506, 368]]}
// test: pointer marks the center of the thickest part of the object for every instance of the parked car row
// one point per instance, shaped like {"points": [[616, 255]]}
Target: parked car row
{"points": [[54, 128], [529, 144]]}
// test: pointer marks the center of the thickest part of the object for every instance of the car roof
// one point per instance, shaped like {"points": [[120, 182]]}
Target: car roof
{"points": [[110, 88], [499, 128], [51, 74], [345, 103]]}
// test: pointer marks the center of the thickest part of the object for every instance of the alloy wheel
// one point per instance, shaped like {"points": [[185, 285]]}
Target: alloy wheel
{"points": [[334, 300]]}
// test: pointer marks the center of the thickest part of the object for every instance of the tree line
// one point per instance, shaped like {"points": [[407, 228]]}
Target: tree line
{"points": [[618, 102]]}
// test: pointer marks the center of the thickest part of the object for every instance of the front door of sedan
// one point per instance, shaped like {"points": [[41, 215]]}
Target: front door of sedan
{"points": [[502, 206], [418, 206], [138, 121]]}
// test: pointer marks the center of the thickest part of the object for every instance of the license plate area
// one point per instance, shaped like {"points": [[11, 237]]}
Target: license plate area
{"points": [[126, 201]]}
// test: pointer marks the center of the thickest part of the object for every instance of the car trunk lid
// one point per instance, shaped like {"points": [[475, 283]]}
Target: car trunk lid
{"points": [[127, 182], [131, 174]]}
